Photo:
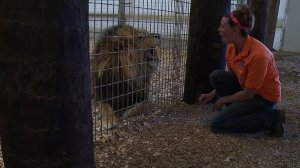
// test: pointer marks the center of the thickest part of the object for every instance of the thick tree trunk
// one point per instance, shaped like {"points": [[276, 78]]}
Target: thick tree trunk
{"points": [[260, 10], [265, 12], [45, 111], [273, 8], [205, 47]]}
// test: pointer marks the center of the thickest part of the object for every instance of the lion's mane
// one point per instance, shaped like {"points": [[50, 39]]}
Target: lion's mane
{"points": [[124, 59]]}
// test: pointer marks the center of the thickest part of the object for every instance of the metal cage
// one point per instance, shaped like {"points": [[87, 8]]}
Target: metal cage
{"points": [[168, 21]]}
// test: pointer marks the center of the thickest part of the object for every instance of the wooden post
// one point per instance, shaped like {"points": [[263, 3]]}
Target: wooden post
{"points": [[205, 47], [45, 108], [260, 10], [273, 8]]}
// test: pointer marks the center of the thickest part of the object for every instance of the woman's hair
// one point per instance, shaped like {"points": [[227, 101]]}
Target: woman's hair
{"points": [[243, 18]]}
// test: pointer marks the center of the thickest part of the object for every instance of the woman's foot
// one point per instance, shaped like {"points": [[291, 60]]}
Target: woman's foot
{"points": [[277, 129]]}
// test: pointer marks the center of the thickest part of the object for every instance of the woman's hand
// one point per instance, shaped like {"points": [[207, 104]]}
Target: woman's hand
{"points": [[242, 95], [219, 104], [205, 98]]}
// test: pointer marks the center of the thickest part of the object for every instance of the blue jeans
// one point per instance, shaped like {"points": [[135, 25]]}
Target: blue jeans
{"points": [[240, 116]]}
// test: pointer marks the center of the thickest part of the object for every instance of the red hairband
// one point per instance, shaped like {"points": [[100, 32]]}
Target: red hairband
{"points": [[236, 21]]}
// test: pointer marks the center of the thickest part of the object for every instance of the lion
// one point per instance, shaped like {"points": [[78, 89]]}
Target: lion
{"points": [[125, 59]]}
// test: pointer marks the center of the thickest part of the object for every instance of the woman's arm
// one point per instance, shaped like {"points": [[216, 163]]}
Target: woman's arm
{"points": [[242, 95]]}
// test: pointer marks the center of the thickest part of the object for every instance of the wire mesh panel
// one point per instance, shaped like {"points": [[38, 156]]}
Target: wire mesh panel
{"points": [[137, 52]]}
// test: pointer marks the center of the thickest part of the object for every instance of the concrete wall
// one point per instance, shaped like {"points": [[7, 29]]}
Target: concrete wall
{"points": [[287, 36], [291, 35]]}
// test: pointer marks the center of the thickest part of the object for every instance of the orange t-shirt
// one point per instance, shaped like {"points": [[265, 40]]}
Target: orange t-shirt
{"points": [[255, 68]]}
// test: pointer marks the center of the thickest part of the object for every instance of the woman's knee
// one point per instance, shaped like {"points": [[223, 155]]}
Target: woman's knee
{"points": [[215, 76]]}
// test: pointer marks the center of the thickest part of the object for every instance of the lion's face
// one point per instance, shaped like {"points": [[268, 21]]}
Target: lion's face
{"points": [[149, 46], [142, 46], [126, 46]]}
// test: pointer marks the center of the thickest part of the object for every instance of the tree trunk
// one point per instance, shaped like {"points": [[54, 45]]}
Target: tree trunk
{"points": [[260, 8], [205, 47], [273, 8], [45, 108]]}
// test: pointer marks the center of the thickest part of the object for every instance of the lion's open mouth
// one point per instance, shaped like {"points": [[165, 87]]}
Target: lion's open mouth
{"points": [[151, 54], [152, 58]]}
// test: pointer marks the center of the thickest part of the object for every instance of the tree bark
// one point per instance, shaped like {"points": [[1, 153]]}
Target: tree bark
{"points": [[273, 8], [45, 108], [260, 10], [205, 48], [265, 12]]}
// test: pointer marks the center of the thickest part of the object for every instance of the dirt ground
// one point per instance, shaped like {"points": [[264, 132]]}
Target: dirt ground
{"points": [[180, 136]]}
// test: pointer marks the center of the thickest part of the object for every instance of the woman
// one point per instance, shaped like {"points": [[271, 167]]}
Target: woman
{"points": [[250, 88]]}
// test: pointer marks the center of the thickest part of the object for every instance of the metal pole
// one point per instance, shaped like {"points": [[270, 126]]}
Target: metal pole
{"points": [[122, 13]]}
